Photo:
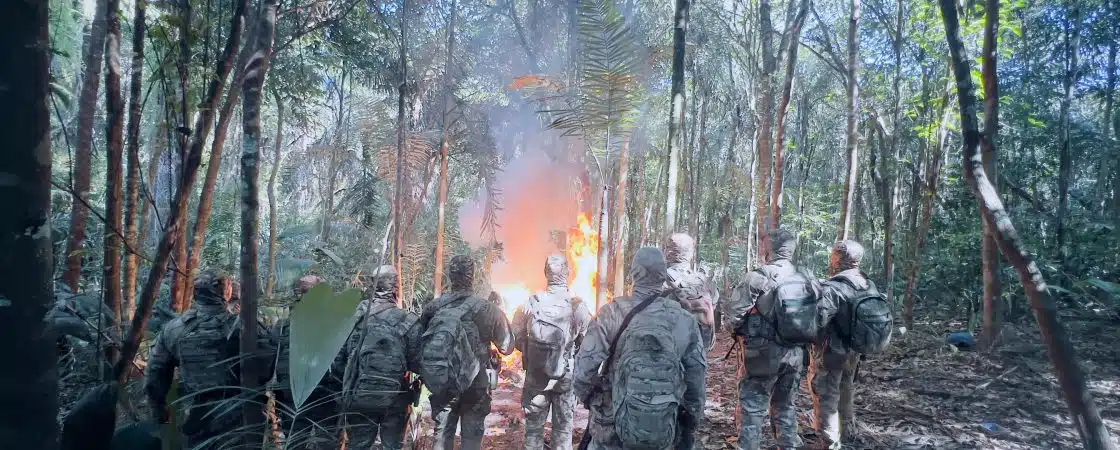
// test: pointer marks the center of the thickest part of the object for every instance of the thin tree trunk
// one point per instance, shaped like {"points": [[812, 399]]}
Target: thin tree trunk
{"points": [[29, 418], [147, 195], [83, 151], [176, 222], [619, 212], [989, 252], [783, 107], [398, 188], [852, 86], [676, 113], [1083, 411], [135, 108], [1065, 156], [252, 87], [444, 151], [765, 129], [270, 280], [180, 301], [1111, 125], [114, 133], [890, 161]]}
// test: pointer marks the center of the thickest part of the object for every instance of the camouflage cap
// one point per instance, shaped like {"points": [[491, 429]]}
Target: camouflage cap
{"points": [[782, 244], [679, 248], [846, 255], [382, 282], [556, 270], [460, 272], [648, 270], [213, 286]]}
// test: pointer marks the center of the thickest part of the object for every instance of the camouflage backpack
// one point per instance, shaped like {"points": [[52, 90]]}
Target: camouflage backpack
{"points": [[550, 330], [647, 382], [869, 325], [793, 308], [448, 361], [382, 360], [692, 290]]}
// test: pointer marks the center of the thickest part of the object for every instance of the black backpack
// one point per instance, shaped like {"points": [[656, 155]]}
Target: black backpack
{"points": [[793, 308], [870, 322]]}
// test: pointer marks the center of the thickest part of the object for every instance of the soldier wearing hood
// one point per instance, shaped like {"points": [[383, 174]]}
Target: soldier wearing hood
{"points": [[203, 344], [773, 370], [593, 388], [547, 331], [379, 356], [690, 287], [833, 364], [493, 328]]}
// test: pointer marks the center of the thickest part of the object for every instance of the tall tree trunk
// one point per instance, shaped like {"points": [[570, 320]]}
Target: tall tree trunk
{"points": [[176, 222], [444, 151], [620, 212], [1111, 125], [29, 418], [1083, 411], [398, 188], [933, 176], [114, 133], [765, 129], [135, 108], [676, 113], [989, 252], [87, 106], [783, 107], [852, 140], [604, 245], [1072, 40], [270, 280], [147, 184], [180, 300], [252, 88], [890, 161]]}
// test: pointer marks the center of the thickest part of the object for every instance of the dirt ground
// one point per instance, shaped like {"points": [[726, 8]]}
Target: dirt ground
{"points": [[921, 394]]}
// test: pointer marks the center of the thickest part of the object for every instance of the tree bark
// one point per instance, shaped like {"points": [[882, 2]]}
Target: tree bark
{"points": [[273, 232], [852, 83], [1083, 411], [135, 108], [783, 107], [252, 88], [114, 133], [617, 247], [989, 252], [676, 113], [83, 150], [398, 188], [180, 301], [176, 221], [445, 150], [765, 129], [1072, 40], [29, 418]]}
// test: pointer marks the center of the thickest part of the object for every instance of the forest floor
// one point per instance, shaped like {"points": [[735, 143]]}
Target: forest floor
{"points": [[921, 394]]}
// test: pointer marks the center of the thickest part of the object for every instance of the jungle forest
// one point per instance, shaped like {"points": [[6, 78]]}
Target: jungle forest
{"points": [[971, 146]]}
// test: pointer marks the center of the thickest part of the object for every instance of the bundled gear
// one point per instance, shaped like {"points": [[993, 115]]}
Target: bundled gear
{"points": [[448, 360], [690, 287]]}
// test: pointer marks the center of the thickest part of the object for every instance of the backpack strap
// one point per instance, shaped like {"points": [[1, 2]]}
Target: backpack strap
{"points": [[625, 323]]}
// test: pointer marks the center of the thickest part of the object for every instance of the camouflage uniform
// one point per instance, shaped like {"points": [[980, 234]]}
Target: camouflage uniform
{"points": [[542, 394], [679, 251], [196, 343], [834, 365], [474, 405], [380, 290], [649, 274], [772, 371]]}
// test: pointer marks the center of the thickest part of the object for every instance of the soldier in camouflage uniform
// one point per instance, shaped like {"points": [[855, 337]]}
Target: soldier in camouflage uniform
{"points": [[379, 303], [493, 328], [690, 287], [833, 364], [649, 274], [773, 371], [202, 343], [541, 393]]}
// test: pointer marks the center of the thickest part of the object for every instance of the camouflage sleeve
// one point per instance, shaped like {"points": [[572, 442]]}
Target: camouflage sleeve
{"points": [[695, 374], [412, 345], [495, 324], [828, 304], [582, 318], [592, 353], [159, 374], [519, 324], [742, 299]]}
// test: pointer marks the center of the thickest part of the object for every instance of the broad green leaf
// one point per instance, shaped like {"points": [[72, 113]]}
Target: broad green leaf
{"points": [[1109, 287], [321, 321], [1059, 289]]}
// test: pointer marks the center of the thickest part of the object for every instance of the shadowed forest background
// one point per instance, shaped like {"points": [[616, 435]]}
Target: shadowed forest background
{"points": [[971, 147]]}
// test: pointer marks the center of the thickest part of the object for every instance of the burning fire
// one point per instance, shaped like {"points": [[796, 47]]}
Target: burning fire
{"points": [[583, 254]]}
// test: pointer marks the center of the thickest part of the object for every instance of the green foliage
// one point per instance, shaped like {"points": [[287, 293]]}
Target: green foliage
{"points": [[321, 321]]}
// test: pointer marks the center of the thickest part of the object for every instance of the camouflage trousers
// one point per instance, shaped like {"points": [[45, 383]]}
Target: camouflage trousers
{"points": [[364, 429], [773, 377], [537, 403], [469, 412], [830, 377]]}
